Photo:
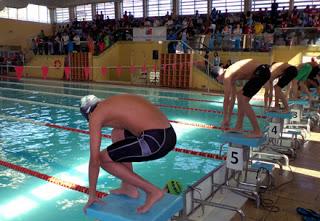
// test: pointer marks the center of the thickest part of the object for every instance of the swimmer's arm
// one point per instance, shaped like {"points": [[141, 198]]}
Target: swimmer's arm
{"points": [[94, 163]]}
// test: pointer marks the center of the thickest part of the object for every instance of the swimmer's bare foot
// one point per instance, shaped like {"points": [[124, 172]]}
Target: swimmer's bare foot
{"points": [[128, 191], [152, 198], [254, 134]]}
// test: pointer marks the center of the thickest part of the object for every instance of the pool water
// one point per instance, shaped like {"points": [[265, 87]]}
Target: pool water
{"points": [[65, 154]]}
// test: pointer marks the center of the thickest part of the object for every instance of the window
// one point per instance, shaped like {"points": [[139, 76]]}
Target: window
{"points": [[35, 13], [189, 7], [107, 9], [84, 12], [62, 15], [133, 6], [230, 5], [257, 4], [301, 4], [159, 7]]}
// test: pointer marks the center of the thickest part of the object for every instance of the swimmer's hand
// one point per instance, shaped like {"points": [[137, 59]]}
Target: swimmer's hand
{"points": [[92, 200]]}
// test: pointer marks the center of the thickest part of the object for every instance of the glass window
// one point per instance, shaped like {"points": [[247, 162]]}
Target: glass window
{"points": [[22, 14], [4, 13], [35, 13], [13, 13], [107, 9], [230, 5], [133, 6], [62, 15], [159, 7], [257, 4], [189, 7], [301, 4], [84, 12]]}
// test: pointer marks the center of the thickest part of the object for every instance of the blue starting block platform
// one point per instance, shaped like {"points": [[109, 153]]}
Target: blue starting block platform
{"points": [[299, 102], [258, 165], [123, 208], [279, 115], [241, 139]]}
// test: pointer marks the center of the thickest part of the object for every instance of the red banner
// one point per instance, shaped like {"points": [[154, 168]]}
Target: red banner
{"points": [[104, 71], [44, 71], [86, 72], [119, 71], [19, 71], [67, 71], [132, 69]]}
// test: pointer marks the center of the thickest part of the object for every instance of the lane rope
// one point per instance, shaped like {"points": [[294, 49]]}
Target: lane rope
{"points": [[177, 149], [158, 105], [205, 126], [50, 179]]}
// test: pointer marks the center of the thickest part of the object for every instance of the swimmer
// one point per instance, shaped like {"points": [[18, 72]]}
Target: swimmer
{"points": [[141, 132], [257, 75], [285, 73]]}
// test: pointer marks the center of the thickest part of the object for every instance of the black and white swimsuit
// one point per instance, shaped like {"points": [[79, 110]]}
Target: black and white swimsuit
{"points": [[150, 145]]}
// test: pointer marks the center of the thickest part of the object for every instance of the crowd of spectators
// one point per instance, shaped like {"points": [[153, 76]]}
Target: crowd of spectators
{"points": [[8, 59], [224, 30]]}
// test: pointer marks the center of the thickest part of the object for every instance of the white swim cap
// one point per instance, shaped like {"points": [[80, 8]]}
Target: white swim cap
{"points": [[88, 104]]}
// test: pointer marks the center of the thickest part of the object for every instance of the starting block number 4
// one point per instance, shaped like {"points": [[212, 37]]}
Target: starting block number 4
{"points": [[296, 114], [235, 158], [274, 130]]}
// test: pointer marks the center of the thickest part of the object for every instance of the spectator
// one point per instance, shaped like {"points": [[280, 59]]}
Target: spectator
{"points": [[34, 47], [237, 34], [77, 42], [216, 59]]}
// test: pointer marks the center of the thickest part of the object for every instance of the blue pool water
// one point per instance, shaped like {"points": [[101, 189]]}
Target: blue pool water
{"points": [[64, 154]]}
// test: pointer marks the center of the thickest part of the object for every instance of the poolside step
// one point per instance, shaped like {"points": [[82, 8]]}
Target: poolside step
{"points": [[122, 208]]}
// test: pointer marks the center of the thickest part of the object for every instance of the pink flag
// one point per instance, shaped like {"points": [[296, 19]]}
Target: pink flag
{"points": [[67, 71], [104, 71], [154, 68], [44, 70], [132, 69], [144, 68], [119, 71], [19, 71], [86, 72], [164, 68]]}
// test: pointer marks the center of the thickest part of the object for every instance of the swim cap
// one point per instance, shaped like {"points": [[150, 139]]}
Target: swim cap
{"points": [[174, 187], [88, 104]]}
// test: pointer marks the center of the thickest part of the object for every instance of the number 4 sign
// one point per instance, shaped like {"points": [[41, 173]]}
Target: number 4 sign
{"points": [[274, 130], [235, 158]]}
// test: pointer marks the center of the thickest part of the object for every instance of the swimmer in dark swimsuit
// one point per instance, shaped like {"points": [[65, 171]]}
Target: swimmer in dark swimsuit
{"points": [[257, 75], [141, 133], [285, 73]]}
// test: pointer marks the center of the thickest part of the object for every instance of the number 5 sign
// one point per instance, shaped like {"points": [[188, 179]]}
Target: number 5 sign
{"points": [[235, 158], [274, 130]]}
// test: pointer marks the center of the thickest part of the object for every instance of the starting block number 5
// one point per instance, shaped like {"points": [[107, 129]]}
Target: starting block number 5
{"points": [[235, 158], [274, 130], [295, 115]]}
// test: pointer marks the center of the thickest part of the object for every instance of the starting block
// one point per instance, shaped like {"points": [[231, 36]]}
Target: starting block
{"points": [[123, 208], [278, 115], [241, 139]]}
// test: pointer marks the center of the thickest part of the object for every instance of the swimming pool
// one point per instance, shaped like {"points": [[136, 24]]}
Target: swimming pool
{"points": [[64, 153]]}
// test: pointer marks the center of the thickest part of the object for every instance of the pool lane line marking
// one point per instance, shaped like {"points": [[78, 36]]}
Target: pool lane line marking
{"points": [[214, 95], [113, 92], [50, 179], [158, 105], [205, 126], [176, 149]]}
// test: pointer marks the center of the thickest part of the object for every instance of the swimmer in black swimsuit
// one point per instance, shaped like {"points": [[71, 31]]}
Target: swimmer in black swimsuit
{"points": [[257, 75], [285, 73], [141, 133]]}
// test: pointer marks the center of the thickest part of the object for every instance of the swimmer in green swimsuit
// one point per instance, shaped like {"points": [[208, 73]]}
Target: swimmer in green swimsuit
{"points": [[300, 81]]}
